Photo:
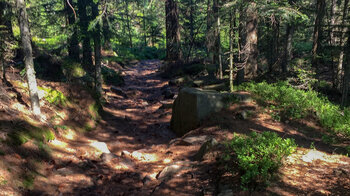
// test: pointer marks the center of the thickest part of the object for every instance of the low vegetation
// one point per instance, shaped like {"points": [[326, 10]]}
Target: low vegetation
{"points": [[292, 103], [258, 157]]}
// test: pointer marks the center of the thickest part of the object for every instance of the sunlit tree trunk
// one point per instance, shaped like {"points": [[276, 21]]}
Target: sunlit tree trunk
{"points": [[97, 46], [73, 41], [84, 24], [28, 56], [316, 46], [252, 40], [173, 37], [231, 50]]}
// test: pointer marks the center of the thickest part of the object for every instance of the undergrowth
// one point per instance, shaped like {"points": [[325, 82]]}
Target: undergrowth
{"points": [[258, 157], [297, 104]]}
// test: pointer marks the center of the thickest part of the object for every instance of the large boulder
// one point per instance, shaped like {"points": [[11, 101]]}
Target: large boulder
{"points": [[193, 105]]}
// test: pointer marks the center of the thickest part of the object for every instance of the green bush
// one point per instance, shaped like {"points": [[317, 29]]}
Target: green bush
{"points": [[258, 157], [54, 96], [111, 77], [294, 103]]}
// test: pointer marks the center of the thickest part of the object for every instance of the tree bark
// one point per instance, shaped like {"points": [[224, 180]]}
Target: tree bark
{"points": [[28, 56], [231, 51], [252, 40], [288, 49], [346, 79], [209, 37], [73, 41], [173, 37], [97, 46], [84, 24], [128, 22], [217, 43], [316, 46], [339, 69]]}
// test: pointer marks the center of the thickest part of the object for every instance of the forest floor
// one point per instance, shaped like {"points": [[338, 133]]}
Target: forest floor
{"points": [[136, 149]]}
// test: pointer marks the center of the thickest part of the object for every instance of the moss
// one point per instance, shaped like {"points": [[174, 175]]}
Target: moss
{"points": [[23, 135], [94, 111]]}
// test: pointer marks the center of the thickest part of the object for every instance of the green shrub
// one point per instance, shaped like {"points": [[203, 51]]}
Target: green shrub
{"points": [[111, 77], [297, 104], [54, 96], [258, 157]]}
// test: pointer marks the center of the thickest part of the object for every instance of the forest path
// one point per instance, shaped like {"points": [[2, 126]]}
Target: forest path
{"points": [[134, 136]]}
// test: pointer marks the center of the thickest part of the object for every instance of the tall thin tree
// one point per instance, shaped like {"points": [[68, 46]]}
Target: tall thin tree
{"points": [[28, 56]]}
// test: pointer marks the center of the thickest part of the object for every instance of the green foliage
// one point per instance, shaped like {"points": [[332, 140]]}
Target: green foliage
{"points": [[258, 156], [111, 77], [72, 69], [142, 53], [54, 96], [50, 43], [294, 103]]}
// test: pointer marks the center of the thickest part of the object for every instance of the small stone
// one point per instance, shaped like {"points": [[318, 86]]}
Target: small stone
{"points": [[204, 149], [64, 171], [107, 157], [100, 146], [172, 169]]}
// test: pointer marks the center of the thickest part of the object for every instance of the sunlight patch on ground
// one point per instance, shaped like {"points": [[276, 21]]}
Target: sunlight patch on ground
{"points": [[69, 134], [58, 144]]}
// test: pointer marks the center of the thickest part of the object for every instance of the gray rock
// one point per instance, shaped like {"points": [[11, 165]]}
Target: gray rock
{"points": [[118, 91], [243, 115], [172, 169], [193, 105], [64, 171], [204, 149], [196, 139]]}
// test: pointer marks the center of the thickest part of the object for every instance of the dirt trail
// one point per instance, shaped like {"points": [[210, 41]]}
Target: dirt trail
{"points": [[135, 130]]}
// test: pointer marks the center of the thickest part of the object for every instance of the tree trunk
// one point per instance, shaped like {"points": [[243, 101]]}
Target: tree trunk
{"points": [[275, 42], [97, 46], [231, 51], [144, 27], [84, 24], [240, 39], [217, 43], [339, 70], [288, 48], [28, 56], [209, 37], [346, 79], [73, 42], [173, 48], [317, 35], [128, 22], [252, 40]]}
